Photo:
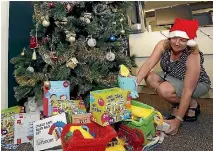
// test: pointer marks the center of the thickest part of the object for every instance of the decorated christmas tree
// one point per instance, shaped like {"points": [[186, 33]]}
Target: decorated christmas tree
{"points": [[82, 42]]}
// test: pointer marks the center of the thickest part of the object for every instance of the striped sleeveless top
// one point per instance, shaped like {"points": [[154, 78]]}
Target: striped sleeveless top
{"points": [[177, 68]]}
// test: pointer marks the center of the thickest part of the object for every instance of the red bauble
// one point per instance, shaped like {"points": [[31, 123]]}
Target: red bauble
{"points": [[69, 7], [46, 40], [51, 5], [33, 43]]}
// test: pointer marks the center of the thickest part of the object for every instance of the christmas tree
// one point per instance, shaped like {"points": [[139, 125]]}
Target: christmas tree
{"points": [[82, 42]]}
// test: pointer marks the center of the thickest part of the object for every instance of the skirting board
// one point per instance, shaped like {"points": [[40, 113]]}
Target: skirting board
{"points": [[147, 90]]}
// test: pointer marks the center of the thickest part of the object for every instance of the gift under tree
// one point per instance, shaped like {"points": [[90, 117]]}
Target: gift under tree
{"points": [[82, 42]]}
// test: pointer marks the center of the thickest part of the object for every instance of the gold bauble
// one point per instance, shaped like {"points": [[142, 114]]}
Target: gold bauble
{"points": [[47, 84]]}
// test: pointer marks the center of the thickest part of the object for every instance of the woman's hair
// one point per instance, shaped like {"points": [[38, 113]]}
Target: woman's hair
{"points": [[194, 50]]}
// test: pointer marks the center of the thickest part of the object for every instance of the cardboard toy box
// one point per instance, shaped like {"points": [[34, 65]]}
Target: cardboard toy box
{"points": [[59, 90], [109, 106], [70, 107]]}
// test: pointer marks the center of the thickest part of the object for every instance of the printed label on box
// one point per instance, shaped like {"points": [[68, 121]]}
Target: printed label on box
{"points": [[23, 127], [47, 132]]}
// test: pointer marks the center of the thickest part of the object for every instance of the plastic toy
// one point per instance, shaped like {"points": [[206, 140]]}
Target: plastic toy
{"points": [[143, 118], [103, 135], [133, 136], [124, 71], [85, 133], [128, 83]]}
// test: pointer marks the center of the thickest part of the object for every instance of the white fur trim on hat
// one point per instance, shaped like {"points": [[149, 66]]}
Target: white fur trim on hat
{"points": [[191, 43], [178, 33]]}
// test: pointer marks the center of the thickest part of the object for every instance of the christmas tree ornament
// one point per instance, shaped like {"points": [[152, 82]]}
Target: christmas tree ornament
{"points": [[69, 7], [47, 84], [64, 21], [86, 18], [91, 42], [22, 54], [110, 56], [34, 55], [33, 42], [112, 38], [47, 59], [51, 5], [45, 23], [71, 39], [121, 19], [53, 56], [122, 32], [31, 69], [72, 63]]}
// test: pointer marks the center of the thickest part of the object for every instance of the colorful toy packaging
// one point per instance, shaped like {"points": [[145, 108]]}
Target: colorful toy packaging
{"points": [[110, 105], [47, 132], [23, 127], [70, 107], [59, 90], [7, 126]]}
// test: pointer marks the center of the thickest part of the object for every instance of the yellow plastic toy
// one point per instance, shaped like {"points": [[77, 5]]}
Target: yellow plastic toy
{"points": [[85, 134], [138, 112], [124, 71]]}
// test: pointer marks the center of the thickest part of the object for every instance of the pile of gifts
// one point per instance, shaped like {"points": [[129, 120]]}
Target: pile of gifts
{"points": [[114, 122]]}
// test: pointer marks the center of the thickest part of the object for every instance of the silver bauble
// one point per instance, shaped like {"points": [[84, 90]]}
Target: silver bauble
{"points": [[110, 56], [91, 42]]}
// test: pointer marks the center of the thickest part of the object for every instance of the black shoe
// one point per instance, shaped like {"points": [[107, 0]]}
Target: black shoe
{"points": [[170, 116], [193, 118]]}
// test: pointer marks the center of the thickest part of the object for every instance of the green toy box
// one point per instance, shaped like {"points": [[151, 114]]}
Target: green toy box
{"points": [[145, 123], [109, 106]]}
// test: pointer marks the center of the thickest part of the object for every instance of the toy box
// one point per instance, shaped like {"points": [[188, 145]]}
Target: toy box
{"points": [[70, 107], [7, 126], [47, 132], [143, 119], [23, 127], [59, 90], [109, 106]]}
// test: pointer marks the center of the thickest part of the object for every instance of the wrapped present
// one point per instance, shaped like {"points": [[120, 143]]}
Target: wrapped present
{"points": [[57, 90], [70, 107], [110, 105]]}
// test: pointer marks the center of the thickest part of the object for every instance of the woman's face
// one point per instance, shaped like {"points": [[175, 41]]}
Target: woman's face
{"points": [[178, 44]]}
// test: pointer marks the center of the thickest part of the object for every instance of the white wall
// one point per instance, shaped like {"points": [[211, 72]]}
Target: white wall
{"points": [[4, 53], [143, 44]]}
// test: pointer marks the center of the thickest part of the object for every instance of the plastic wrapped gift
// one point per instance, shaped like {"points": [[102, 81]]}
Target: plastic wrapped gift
{"points": [[110, 105], [128, 83]]}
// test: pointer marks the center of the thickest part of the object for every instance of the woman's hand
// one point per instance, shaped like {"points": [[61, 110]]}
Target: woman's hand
{"points": [[174, 126]]}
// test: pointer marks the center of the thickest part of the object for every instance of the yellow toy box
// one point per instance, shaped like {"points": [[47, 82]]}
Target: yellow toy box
{"points": [[109, 106]]}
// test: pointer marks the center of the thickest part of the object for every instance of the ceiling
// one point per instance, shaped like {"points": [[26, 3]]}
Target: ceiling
{"points": [[150, 5]]}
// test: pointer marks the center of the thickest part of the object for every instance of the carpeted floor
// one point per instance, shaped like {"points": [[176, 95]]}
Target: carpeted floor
{"points": [[195, 136]]}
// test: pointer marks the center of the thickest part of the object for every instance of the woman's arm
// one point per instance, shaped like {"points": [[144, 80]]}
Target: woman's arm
{"points": [[151, 62], [190, 82]]}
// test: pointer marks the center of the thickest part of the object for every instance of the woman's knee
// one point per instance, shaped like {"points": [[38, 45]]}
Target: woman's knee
{"points": [[152, 79], [165, 90]]}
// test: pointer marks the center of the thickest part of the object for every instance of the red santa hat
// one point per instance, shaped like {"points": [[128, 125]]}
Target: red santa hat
{"points": [[185, 29]]}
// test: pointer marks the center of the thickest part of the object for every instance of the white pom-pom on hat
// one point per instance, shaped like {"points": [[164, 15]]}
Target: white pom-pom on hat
{"points": [[191, 43]]}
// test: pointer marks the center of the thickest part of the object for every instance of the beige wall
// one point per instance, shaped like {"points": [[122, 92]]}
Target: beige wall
{"points": [[4, 53], [143, 44]]}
